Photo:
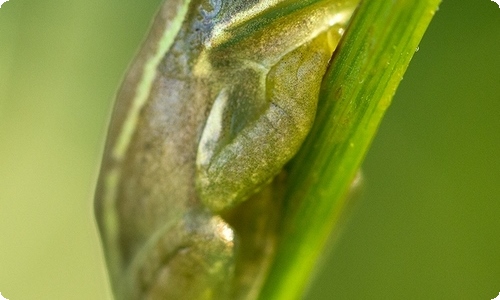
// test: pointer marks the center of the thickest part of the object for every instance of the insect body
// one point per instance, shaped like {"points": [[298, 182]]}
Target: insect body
{"points": [[220, 97]]}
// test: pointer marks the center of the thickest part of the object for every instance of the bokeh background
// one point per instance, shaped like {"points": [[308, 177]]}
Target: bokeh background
{"points": [[427, 227]]}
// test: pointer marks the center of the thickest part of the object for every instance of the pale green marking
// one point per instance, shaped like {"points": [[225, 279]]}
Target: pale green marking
{"points": [[213, 129], [111, 220], [146, 82], [218, 35]]}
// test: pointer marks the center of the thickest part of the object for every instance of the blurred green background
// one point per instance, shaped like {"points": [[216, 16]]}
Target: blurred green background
{"points": [[428, 226]]}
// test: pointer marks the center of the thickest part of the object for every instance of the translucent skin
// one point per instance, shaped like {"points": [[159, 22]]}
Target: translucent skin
{"points": [[222, 110]]}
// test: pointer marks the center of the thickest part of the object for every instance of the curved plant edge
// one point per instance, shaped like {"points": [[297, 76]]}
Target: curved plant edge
{"points": [[358, 88]]}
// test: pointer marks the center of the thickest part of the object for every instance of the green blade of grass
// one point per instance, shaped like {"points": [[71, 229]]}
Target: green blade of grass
{"points": [[358, 88]]}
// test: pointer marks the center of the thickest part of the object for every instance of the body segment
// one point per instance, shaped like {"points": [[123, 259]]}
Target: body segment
{"points": [[220, 97]]}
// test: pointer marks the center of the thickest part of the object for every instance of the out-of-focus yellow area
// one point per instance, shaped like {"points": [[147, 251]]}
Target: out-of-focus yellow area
{"points": [[428, 226]]}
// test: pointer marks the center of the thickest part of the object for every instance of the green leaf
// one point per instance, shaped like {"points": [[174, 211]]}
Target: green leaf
{"points": [[357, 90]]}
